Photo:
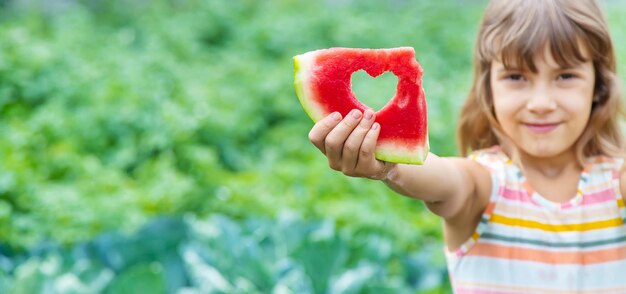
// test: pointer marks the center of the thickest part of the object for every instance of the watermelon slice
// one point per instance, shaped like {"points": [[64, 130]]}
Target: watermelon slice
{"points": [[322, 82]]}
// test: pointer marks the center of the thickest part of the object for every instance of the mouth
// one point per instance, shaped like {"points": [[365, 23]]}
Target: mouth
{"points": [[541, 128]]}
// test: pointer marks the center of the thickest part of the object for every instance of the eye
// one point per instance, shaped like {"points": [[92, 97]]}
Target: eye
{"points": [[566, 76], [514, 77]]}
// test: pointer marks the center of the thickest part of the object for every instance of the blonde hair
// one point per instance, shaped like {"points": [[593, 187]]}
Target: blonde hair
{"points": [[513, 31]]}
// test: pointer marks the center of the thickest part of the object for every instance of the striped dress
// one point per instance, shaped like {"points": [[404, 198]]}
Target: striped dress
{"points": [[525, 243]]}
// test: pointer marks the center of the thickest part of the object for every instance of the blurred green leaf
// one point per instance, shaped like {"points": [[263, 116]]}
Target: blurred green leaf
{"points": [[144, 278]]}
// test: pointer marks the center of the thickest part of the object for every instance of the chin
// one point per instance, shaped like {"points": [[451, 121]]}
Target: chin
{"points": [[545, 151]]}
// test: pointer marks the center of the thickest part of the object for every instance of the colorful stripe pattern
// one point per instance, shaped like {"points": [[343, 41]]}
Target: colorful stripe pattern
{"points": [[526, 243]]}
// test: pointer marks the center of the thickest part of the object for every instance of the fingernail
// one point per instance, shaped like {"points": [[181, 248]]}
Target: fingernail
{"points": [[356, 114], [368, 114], [336, 116], [375, 126]]}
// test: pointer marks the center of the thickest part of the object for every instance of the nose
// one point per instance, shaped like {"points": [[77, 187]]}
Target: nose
{"points": [[541, 100]]}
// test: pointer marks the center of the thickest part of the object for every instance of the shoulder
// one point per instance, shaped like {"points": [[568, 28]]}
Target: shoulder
{"points": [[605, 172], [479, 170], [493, 159], [485, 166], [481, 165], [613, 169]]}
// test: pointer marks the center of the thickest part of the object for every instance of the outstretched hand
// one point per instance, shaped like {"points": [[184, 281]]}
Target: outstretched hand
{"points": [[350, 144]]}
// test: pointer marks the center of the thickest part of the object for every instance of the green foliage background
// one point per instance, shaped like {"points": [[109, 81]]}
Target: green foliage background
{"points": [[158, 146]]}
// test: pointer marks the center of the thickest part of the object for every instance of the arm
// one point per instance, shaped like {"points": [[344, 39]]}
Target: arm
{"points": [[450, 187], [453, 188], [459, 195]]}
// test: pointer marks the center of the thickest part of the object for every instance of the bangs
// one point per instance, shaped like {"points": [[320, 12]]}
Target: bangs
{"points": [[519, 34]]}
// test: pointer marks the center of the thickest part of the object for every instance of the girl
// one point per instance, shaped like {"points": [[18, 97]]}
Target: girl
{"points": [[538, 204]]}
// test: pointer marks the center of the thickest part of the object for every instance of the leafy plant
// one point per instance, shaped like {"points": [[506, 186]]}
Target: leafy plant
{"points": [[221, 255]]}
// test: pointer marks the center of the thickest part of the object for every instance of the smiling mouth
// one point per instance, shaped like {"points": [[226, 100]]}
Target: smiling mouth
{"points": [[541, 128]]}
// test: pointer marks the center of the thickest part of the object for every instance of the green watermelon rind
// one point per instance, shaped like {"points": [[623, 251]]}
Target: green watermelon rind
{"points": [[390, 153], [302, 69]]}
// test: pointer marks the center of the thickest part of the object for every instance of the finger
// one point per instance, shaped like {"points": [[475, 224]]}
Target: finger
{"points": [[337, 137], [367, 160], [320, 130], [352, 147]]}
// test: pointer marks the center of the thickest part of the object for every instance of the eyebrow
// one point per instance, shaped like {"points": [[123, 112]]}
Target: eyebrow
{"points": [[501, 69]]}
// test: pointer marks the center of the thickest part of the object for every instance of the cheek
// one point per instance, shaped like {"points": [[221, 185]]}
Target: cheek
{"points": [[498, 98], [499, 110], [506, 105], [582, 113], [578, 104]]}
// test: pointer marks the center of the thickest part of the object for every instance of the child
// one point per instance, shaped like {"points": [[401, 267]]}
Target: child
{"points": [[538, 204]]}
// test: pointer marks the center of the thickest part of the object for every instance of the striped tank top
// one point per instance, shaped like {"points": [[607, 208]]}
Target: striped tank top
{"points": [[525, 243]]}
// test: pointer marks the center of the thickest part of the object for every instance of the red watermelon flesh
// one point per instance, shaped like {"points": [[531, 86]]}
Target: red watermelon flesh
{"points": [[323, 85]]}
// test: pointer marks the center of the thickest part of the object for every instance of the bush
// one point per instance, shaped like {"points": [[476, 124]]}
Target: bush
{"points": [[220, 255]]}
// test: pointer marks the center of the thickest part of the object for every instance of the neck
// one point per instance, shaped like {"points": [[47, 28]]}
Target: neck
{"points": [[549, 167]]}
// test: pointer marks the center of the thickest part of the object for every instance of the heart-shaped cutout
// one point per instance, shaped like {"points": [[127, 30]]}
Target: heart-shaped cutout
{"points": [[375, 92]]}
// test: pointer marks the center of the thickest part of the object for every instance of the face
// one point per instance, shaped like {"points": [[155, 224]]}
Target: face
{"points": [[543, 113]]}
